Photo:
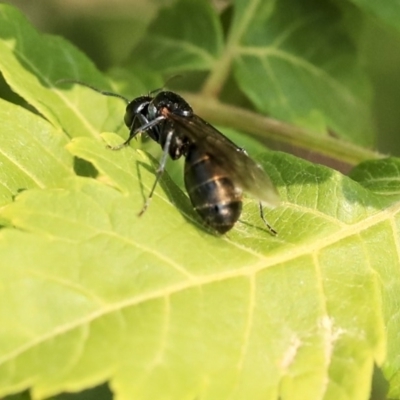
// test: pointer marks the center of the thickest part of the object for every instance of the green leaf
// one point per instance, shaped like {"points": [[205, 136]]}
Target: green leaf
{"points": [[294, 60], [177, 42], [32, 152], [32, 64], [302, 67], [258, 315], [388, 11], [381, 177]]}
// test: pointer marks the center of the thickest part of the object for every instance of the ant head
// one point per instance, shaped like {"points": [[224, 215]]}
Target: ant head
{"points": [[139, 105]]}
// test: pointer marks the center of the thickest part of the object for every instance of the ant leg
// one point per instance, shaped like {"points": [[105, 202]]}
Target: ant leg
{"points": [[160, 171], [120, 146], [270, 228], [133, 132]]}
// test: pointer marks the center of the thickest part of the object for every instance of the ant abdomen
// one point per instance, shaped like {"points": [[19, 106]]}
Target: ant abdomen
{"points": [[212, 193]]}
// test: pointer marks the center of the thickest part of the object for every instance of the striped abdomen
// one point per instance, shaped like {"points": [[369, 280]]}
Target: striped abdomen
{"points": [[211, 191]]}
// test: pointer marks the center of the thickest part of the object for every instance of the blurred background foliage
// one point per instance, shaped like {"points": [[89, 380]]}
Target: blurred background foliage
{"points": [[108, 30]]}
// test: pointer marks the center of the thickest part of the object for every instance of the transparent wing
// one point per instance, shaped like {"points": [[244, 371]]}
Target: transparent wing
{"points": [[245, 173]]}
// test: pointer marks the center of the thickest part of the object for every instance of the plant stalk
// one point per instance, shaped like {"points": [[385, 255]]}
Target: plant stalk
{"points": [[262, 127]]}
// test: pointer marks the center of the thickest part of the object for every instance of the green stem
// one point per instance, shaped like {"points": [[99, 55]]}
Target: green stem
{"points": [[268, 128], [216, 80], [220, 73]]}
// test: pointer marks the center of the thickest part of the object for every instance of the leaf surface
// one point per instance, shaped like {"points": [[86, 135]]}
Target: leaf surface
{"points": [[177, 42], [163, 310], [388, 12], [32, 152], [302, 67]]}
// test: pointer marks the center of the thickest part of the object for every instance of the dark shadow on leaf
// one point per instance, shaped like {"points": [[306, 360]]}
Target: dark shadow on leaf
{"points": [[174, 194], [379, 386], [139, 165], [101, 392], [18, 396], [84, 168], [19, 191], [260, 228]]}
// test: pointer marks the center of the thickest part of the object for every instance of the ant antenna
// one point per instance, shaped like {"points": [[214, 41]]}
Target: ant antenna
{"points": [[103, 92], [171, 78]]}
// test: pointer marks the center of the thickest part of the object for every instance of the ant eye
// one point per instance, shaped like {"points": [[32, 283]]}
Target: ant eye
{"points": [[128, 119]]}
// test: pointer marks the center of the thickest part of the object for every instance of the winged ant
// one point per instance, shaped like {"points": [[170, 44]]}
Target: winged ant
{"points": [[216, 171]]}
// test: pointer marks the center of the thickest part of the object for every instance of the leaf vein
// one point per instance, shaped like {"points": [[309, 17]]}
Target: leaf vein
{"points": [[187, 46], [312, 69], [267, 262]]}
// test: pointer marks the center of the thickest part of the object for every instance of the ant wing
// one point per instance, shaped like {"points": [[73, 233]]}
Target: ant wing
{"points": [[245, 173]]}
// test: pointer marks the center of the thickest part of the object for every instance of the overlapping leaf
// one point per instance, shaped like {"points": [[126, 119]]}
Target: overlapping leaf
{"points": [[32, 152], [299, 66], [302, 67], [381, 177], [388, 12], [177, 42], [33, 64]]}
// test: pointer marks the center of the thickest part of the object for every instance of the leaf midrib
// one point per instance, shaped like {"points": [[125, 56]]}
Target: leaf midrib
{"points": [[312, 247]]}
